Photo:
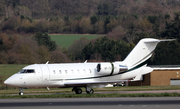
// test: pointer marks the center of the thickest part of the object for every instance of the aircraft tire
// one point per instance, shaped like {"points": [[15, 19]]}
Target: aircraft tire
{"points": [[78, 91], [90, 92], [20, 93]]}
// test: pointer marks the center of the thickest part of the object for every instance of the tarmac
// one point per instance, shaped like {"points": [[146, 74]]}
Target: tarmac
{"points": [[92, 103], [108, 92]]}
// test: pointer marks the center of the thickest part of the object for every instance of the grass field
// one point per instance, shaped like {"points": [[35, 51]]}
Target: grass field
{"points": [[66, 40], [66, 92], [93, 95], [7, 70]]}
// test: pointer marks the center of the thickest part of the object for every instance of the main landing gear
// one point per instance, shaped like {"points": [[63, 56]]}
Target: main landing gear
{"points": [[21, 91], [89, 90], [78, 90]]}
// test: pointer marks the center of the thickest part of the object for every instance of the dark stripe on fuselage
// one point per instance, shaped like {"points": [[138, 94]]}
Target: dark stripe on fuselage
{"points": [[112, 68]]}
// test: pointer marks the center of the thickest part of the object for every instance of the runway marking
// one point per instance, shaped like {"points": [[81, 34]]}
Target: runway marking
{"points": [[144, 105], [157, 106], [120, 105]]}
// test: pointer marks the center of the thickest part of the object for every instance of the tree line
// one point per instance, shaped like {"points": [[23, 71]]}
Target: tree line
{"points": [[29, 49], [108, 49], [21, 48], [38, 9], [82, 17], [25, 25], [128, 24]]}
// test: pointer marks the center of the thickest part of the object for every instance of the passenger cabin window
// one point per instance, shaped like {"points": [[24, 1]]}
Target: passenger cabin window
{"points": [[27, 71], [66, 71], [60, 71]]}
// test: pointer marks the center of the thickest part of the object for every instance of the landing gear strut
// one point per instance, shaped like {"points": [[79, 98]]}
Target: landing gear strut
{"points": [[21, 91]]}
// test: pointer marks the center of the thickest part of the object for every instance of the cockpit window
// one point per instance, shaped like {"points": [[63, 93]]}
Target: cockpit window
{"points": [[27, 71]]}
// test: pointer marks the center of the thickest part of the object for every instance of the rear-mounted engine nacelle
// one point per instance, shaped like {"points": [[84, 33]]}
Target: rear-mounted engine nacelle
{"points": [[110, 68]]}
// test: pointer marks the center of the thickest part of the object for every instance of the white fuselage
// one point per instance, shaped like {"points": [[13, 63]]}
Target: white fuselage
{"points": [[58, 75]]}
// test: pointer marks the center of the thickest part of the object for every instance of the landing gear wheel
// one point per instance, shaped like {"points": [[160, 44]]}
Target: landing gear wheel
{"points": [[78, 91], [90, 91], [21, 93]]}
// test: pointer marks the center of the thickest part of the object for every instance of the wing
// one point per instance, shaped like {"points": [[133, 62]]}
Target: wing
{"points": [[91, 83]]}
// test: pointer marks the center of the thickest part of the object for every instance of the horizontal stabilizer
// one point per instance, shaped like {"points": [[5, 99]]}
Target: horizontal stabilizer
{"points": [[167, 40], [158, 40]]}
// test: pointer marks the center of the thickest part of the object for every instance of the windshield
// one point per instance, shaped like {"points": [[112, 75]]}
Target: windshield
{"points": [[27, 71]]}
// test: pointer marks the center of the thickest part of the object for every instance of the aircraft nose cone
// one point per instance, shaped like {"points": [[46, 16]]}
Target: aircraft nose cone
{"points": [[7, 82]]}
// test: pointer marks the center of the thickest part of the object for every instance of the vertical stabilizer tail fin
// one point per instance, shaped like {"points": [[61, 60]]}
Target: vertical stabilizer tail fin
{"points": [[142, 52]]}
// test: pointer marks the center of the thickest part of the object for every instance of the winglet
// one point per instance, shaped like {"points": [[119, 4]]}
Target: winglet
{"points": [[85, 61], [47, 62]]}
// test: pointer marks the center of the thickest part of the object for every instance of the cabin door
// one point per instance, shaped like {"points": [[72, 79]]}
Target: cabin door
{"points": [[45, 72]]}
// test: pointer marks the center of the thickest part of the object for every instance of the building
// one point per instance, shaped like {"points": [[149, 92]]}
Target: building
{"points": [[161, 76]]}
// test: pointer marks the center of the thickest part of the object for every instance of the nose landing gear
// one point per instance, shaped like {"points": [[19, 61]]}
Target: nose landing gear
{"points": [[21, 91]]}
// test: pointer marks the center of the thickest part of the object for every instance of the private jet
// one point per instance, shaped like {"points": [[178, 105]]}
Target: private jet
{"points": [[88, 74]]}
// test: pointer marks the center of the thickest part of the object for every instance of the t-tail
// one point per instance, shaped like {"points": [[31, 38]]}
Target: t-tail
{"points": [[142, 52]]}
